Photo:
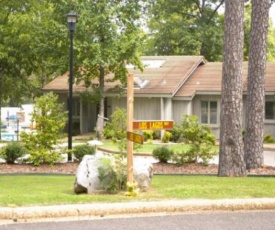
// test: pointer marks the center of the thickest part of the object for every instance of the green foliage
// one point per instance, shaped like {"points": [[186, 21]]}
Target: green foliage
{"points": [[166, 137], [176, 134], [116, 129], [47, 111], [268, 139], [113, 174], [147, 135], [163, 154], [199, 137], [80, 151], [179, 29], [43, 155], [12, 151], [156, 134], [185, 156], [132, 189]]}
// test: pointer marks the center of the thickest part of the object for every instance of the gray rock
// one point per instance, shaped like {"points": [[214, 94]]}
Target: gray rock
{"points": [[143, 173], [87, 180], [87, 174]]}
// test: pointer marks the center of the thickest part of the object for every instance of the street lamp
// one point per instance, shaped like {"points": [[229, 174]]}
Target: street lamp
{"points": [[71, 19]]}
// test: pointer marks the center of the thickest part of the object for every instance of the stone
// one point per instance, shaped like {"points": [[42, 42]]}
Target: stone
{"points": [[143, 173], [87, 180], [87, 174]]}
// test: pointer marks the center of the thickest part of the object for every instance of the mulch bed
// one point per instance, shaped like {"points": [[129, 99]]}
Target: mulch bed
{"points": [[158, 168]]}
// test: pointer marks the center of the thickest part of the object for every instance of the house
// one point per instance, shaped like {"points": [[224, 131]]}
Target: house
{"points": [[168, 88]]}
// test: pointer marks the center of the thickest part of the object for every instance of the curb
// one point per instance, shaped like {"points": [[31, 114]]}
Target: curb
{"points": [[152, 207]]}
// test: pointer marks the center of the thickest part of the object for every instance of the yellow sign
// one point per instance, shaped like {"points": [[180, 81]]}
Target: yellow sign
{"points": [[134, 137], [153, 125]]}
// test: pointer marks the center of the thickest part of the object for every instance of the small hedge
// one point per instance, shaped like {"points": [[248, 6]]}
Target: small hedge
{"points": [[12, 151], [80, 151], [163, 154]]}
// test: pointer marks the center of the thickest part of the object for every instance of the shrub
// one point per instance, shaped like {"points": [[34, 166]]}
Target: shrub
{"points": [[166, 137], [199, 137], [43, 155], [12, 151], [148, 135], [183, 157], [156, 134], [113, 173], [268, 139], [80, 151], [163, 154], [50, 120], [116, 129], [176, 134]]}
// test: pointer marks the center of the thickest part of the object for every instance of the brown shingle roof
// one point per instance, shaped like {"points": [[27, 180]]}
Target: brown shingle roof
{"points": [[207, 79], [179, 76], [166, 79]]}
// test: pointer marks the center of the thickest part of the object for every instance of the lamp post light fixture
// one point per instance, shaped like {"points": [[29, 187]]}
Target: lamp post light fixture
{"points": [[71, 19]]}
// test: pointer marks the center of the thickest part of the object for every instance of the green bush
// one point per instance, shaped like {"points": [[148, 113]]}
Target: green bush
{"points": [[43, 155], [80, 151], [183, 157], [176, 134], [163, 154], [12, 151], [199, 137], [148, 135], [50, 119], [113, 174], [166, 137], [156, 134], [268, 139]]}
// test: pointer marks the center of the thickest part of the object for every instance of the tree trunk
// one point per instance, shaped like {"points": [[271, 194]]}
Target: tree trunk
{"points": [[100, 118], [231, 155], [253, 146]]}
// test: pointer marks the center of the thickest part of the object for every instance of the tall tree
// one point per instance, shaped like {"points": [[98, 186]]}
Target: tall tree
{"points": [[187, 27], [231, 155], [253, 145], [270, 35], [107, 39]]}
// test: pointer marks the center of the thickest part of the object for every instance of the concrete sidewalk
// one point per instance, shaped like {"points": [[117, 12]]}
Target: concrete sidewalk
{"points": [[80, 211]]}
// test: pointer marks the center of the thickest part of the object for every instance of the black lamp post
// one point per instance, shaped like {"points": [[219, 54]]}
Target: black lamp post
{"points": [[71, 19]]}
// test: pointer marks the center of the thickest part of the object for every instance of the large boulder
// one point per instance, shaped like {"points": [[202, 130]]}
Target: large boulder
{"points": [[87, 174], [87, 180], [143, 173]]}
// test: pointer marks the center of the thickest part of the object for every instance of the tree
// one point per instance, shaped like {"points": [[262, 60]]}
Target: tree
{"points": [[231, 155], [40, 144], [253, 145], [247, 31], [187, 27], [106, 42], [29, 49]]}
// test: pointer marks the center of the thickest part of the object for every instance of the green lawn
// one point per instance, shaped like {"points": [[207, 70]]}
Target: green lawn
{"points": [[149, 147], [24, 190]]}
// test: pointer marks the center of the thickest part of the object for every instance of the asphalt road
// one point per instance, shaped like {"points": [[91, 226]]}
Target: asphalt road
{"points": [[206, 221]]}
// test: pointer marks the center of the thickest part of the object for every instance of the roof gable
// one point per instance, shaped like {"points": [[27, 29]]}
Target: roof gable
{"points": [[163, 75]]}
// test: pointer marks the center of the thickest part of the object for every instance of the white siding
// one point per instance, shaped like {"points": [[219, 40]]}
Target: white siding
{"points": [[179, 109]]}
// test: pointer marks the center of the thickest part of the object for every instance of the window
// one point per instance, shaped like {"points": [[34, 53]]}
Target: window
{"points": [[270, 110], [209, 112], [76, 107]]}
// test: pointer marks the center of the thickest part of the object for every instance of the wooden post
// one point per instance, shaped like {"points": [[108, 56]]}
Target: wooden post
{"points": [[130, 114]]}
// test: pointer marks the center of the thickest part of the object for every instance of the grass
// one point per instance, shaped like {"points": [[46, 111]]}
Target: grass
{"points": [[148, 147], [28, 190]]}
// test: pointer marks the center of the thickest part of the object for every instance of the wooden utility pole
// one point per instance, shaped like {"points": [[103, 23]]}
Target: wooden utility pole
{"points": [[130, 114]]}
